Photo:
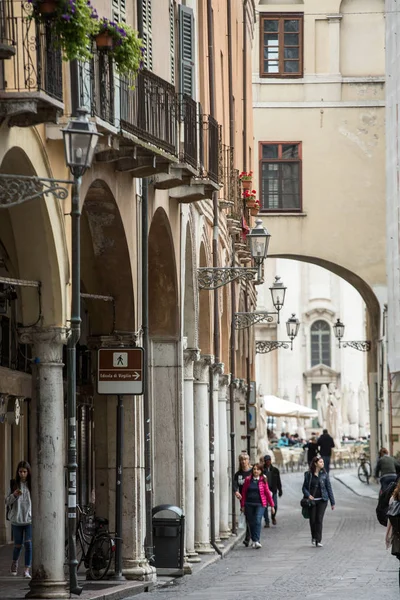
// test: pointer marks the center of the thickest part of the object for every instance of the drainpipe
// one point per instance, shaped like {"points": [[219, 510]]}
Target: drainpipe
{"points": [[147, 425], [233, 284], [210, 40], [244, 86], [246, 308]]}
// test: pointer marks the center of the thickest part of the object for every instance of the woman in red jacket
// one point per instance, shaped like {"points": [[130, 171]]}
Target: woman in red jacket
{"points": [[255, 497]]}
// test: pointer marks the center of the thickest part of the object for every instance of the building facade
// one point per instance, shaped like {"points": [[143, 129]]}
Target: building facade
{"points": [[319, 110], [174, 144]]}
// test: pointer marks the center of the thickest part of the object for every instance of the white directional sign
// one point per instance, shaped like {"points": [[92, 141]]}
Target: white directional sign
{"points": [[120, 371]]}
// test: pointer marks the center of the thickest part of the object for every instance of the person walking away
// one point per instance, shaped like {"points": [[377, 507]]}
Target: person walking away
{"points": [[393, 525], [239, 478], [275, 485], [325, 445], [20, 514], [317, 487], [312, 449], [256, 496], [387, 469]]}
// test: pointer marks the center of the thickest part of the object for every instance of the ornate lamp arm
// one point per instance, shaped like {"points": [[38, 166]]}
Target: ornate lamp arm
{"points": [[264, 347], [16, 189], [244, 320], [211, 278]]}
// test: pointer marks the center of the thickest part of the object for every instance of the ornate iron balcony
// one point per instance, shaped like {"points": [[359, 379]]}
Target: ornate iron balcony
{"points": [[31, 89]]}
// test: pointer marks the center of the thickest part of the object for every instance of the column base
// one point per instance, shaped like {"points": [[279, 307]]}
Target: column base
{"points": [[48, 589], [187, 569], [225, 535], [193, 557], [203, 548], [139, 570]]}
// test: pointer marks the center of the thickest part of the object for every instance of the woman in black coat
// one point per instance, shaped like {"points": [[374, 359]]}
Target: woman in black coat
{"points": [[317, 488], [312, 449]]}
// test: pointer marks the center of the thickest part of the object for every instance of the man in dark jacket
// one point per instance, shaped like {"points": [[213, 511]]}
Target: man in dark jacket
{"points": [[274, 483], [245, 469], [325, 444]]}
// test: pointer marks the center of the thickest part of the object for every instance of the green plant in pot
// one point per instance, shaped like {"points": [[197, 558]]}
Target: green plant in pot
{"points": [[73, 23], [125, 46]]}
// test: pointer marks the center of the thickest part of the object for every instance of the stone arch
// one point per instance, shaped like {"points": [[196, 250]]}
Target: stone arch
{"points": [[361, 20], [105, 262], [163, 285], [191, 309], [33, 235]]}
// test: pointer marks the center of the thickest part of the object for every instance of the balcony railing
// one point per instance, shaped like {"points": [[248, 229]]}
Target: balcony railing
{"points": [[7, 29], [37, 64], [227, 193], [209, 131], [189, 119], [150, 111], [98, 88]]}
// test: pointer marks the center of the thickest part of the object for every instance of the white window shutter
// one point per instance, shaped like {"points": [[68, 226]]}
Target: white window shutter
{"points": [[147, 34]]}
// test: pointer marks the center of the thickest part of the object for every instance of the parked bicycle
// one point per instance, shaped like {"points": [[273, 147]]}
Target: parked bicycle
{"points": [[364, 469], [95, 545]]}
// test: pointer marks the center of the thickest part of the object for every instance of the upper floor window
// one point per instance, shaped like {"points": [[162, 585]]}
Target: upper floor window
{"points": [[281, 45], [280, 173], [320, 344]]}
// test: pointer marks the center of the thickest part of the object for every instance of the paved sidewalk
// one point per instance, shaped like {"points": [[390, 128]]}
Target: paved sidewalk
{"points": [[349, 478], [352, 565]]}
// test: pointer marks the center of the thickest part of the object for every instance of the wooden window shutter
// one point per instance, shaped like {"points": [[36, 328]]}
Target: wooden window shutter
{"points": [[148, 34], [172, 40], [186, 41], [119, 11]]}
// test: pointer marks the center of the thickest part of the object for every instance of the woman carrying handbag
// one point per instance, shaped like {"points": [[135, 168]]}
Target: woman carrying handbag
{"points": [[318, 490], [393, 526]]}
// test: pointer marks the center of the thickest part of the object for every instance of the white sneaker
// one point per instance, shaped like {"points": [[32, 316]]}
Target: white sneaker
{"points": [[257, 545], [312, 542], [27, 574], [319, 545]]}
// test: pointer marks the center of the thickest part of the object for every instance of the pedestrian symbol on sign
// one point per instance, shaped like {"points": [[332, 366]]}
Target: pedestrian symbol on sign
{"points": [[120, 359]]}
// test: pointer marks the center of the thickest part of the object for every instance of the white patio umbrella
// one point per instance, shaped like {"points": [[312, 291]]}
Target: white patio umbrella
{"points": [[283, 408]]}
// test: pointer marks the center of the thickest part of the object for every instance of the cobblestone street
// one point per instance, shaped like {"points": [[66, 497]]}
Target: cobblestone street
{"points": [[353, 564]]}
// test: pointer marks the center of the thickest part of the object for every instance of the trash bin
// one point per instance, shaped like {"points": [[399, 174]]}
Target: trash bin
{"points": [[168, 538]]}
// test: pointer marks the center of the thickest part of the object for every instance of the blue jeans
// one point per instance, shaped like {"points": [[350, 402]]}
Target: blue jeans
{"points": [[275, 499], [386, 480], [22, 534], [254, 514], [327, 463]]}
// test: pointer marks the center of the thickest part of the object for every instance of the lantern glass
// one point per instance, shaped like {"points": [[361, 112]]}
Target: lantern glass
{"points": [[259, 242], [278, 291], [292, 327], [80, 139], [338, 329]]}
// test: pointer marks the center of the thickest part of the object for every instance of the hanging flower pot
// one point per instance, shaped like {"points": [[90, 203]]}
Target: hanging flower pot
{"points": [[246, 184], [250, 203], [104, 41], [47, 8], [254, 211], [246, 179]]}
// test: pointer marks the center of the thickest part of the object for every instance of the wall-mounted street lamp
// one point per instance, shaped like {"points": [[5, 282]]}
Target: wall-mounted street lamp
{"points": [[244, 320], [80, 139], [292, 329], [363, 346], [211, 278]]}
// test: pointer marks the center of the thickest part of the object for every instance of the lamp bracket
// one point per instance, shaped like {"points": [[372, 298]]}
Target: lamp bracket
{"points": [[211, 278], [16, 189], [357, 345], [244, 320], [264, 347]]}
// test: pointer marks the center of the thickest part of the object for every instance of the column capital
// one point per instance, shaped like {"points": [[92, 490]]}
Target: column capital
{"points": [[202, 367], [190, 356], [218, 369], [112, 341], [224, 380], [335, 18], [47, 342]]}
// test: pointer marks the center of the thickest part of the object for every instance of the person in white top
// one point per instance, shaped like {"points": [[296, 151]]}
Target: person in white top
{"points": [[19, 506]]}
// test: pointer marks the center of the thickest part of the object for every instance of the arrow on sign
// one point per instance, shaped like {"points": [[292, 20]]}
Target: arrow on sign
{"points": [[136, 375]]}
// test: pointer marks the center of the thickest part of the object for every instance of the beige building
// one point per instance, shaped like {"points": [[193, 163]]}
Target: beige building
{"points": [[319, 110], [175, 144]]}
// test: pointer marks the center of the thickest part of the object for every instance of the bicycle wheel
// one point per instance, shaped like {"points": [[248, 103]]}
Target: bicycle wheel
{"points": [[100, 557], [79, 552], [364, 472]]}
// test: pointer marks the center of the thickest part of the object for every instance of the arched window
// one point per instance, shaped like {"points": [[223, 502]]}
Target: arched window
{"points": [[320, 343]]}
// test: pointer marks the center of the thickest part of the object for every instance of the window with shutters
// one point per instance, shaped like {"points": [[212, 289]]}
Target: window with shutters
{"points": [[119, 11], [186, 41], [172, 40], [148, 34], [281, 45], [320, 343]]}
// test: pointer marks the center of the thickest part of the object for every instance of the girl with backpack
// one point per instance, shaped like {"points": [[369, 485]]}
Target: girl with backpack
{"points": [[19, 504]]}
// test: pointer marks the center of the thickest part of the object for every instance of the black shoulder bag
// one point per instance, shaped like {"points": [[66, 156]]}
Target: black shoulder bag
{"points": [[306, 503]]}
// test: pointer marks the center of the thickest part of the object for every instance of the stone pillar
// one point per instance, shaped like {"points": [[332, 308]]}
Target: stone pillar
{"points": [[334, 43], [218, 370], [224, 453], [48, 458], [189, 355], [201, 448]]}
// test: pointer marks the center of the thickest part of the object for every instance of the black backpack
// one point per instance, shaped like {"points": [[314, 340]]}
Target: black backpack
{"points": [[13, 487], [383, 504]]}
